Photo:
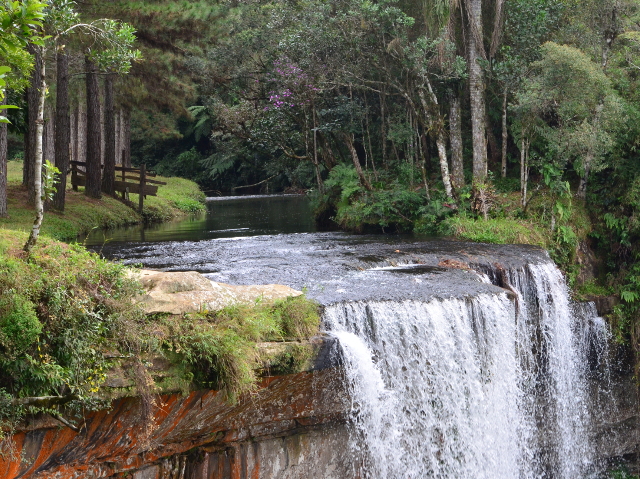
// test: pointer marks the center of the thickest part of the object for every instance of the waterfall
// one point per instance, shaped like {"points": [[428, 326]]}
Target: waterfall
{"points": [[489, 386]]}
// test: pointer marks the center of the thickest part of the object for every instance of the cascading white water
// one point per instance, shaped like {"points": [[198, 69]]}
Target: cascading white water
{"points": [[478, 387]]}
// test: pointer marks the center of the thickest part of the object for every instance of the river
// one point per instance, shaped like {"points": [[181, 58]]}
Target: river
{"points": [[464, 360]]}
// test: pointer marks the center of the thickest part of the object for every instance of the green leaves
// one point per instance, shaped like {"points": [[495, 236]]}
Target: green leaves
{"points": [[116, 53], [50, 176]]}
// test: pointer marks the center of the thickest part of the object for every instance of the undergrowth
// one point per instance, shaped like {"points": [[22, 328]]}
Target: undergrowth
{"points": [[61, 308], [68, 318]]}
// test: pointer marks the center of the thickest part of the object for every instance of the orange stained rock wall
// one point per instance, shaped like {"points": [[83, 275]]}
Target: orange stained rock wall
{"points": [[199, 436]]}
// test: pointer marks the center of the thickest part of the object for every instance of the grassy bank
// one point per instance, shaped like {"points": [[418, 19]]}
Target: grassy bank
{"points": [[552, 219], [82, 214]]}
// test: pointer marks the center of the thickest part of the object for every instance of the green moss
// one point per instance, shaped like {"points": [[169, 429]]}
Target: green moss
{"points": [[222, 346]]}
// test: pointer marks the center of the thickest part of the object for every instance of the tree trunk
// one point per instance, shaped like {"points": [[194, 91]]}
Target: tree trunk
{"points": [[383, 129], [455, 133], [63, 129], [94, 173], [73, 138], [126, 138], [348, 139], [33, 101], [524, 169], [582, 187], [505, 133], [109, 174], [589, 157], [477, 90], [118, 137], [37, 166], [48, 142], [492, 142], [316, 163], [101, 108], [441, 143], [3, 165], [81, 135]]}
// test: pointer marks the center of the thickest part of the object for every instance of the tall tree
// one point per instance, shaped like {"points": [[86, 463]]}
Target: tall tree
{"points": [[30, 138], [63, 128], [108, 179], [93, 187], [475, 55], [3, 164]]}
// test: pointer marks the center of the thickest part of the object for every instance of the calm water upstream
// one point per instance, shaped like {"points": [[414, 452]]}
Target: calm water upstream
{"points": [[225, 217], [451, 376]]}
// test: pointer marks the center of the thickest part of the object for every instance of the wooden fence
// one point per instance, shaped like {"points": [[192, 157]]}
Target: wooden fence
{"points": [[127, 180]]}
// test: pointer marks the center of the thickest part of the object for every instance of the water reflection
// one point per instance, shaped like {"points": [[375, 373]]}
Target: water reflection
{"points": [[225, 218]]}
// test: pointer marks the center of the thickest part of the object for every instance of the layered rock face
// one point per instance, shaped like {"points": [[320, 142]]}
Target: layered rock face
{"points": [[291, 426]]}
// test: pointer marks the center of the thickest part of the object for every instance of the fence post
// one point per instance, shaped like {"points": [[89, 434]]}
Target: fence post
{"points": [[74, 176], [142, 184]]}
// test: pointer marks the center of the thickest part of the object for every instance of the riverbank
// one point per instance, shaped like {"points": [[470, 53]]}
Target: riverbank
{"points": [[76, 333], [82, 214]]}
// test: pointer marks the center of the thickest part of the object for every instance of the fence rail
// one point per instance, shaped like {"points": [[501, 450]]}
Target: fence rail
{"points": [[140, 181]]}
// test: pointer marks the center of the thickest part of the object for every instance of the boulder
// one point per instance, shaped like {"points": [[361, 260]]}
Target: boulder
{"points": [[190, 292]]}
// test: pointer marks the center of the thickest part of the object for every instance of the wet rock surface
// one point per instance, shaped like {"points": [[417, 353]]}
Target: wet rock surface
{"points": [[190, 292], [335, 267]]}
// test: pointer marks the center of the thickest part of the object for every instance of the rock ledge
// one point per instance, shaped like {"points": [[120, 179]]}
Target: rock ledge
{"points": [[191, 292]]}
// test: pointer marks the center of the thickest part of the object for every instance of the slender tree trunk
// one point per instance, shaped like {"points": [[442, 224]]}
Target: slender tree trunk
{"points": [[73, 138], [582, 187], [327, 152], [109, 174], [81, 134], [423, 153], [505, 132], [492, 142], [3, 165], [316, 163], [524, 169], [63, 129], [441, 143], [383, 129], [37, 167], [33, 101], [126, 138], [477, 90], [94, 173], [118, 138], [589, 157], [348, 139], [102, 108], [48, 142], [455, 134]]}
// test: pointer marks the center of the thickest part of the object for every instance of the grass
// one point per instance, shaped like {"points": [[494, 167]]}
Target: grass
{"points": [[83, 214], [498, 231]]}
